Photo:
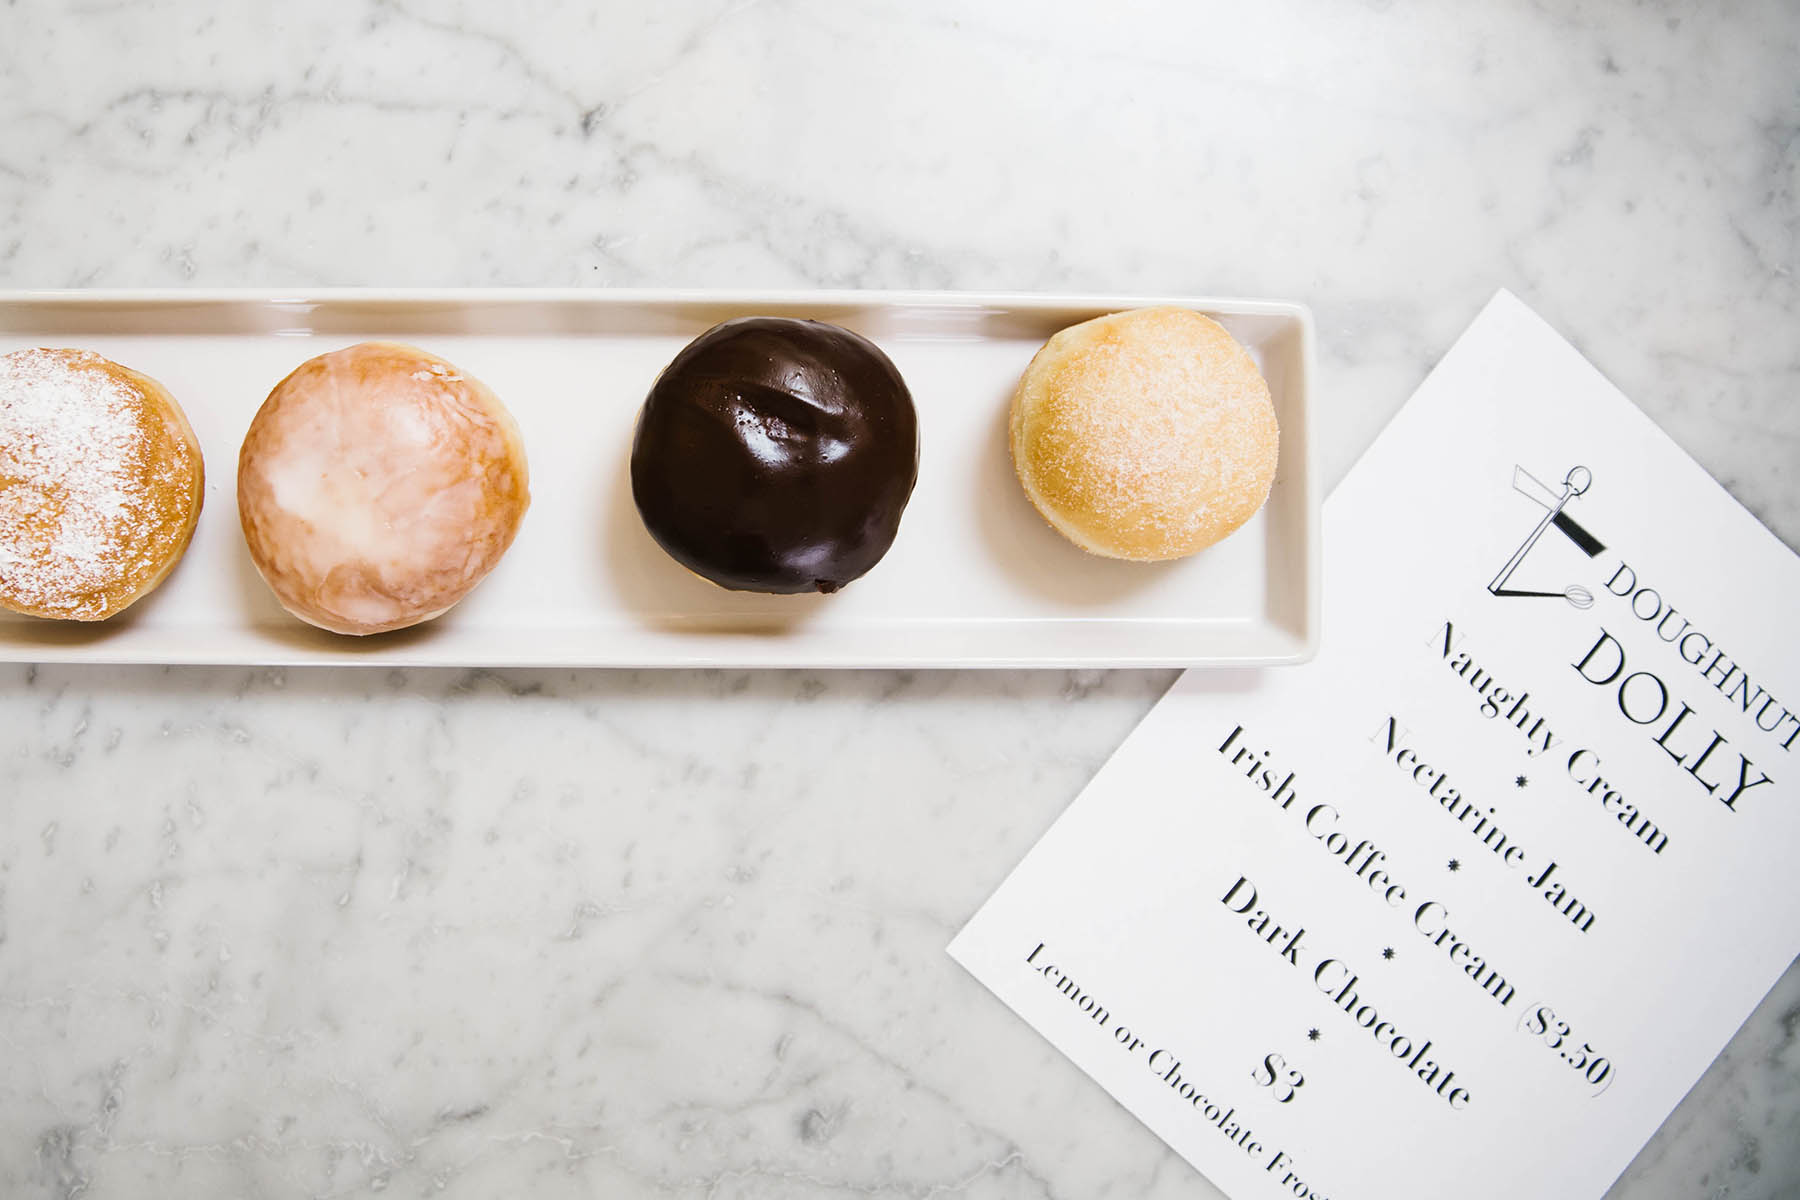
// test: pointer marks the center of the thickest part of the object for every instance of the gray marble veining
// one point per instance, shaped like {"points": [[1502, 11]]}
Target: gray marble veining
{"points": [[313, 933]]}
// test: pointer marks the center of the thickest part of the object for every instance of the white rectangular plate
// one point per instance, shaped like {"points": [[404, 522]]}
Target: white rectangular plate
{"points": [[975, 578]]}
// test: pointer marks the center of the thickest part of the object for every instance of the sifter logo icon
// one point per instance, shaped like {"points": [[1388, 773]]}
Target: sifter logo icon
{"points": [[1556, 504]]}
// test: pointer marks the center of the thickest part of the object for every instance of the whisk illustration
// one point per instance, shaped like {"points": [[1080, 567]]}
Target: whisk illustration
{"points": [[1577, 481]]}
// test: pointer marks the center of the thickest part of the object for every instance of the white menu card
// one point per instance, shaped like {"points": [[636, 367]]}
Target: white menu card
{"points": [[1464, 906]]}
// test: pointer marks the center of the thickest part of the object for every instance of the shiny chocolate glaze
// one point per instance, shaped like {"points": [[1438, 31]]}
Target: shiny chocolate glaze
{"points": [[775, 455]]}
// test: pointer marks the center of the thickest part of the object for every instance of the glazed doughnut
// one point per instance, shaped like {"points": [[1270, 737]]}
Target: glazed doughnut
{"points": [[377, 486], [1144, 435], [100, 484]]}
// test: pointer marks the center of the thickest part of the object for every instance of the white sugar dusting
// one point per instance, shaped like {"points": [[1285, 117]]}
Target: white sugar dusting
{"points": [[72, 496]]}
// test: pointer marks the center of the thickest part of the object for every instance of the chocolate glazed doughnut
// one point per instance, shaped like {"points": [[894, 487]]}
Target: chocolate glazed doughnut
{"points": [[776, 455]]}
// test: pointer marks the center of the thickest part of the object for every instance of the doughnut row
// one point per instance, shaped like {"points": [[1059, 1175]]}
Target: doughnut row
{"points": [[379, 484]]}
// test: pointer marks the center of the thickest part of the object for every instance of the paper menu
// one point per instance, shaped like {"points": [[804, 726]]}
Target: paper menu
{"points": [[1464, 906]]}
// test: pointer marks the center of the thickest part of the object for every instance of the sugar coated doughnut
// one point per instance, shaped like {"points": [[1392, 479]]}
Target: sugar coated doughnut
{"points": [[100, 484], [1144, 435]]}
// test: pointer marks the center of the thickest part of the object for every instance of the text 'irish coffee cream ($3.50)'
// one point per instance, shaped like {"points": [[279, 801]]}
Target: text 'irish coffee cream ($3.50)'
{"points": [[1503, 868]]}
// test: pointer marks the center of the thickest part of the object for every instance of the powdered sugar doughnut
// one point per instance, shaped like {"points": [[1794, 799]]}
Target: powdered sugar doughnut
{"points": [[377, 486], [100, 484], [1144, 435]]}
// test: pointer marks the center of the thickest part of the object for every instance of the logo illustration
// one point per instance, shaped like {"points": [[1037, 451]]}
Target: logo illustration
{"points": [[1577, 481]]}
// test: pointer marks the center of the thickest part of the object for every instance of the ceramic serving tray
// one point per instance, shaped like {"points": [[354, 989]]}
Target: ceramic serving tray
{"points": [[975, 578]]}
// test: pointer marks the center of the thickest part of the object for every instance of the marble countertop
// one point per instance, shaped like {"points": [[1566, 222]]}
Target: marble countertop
{"points": [[333, 932]]}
